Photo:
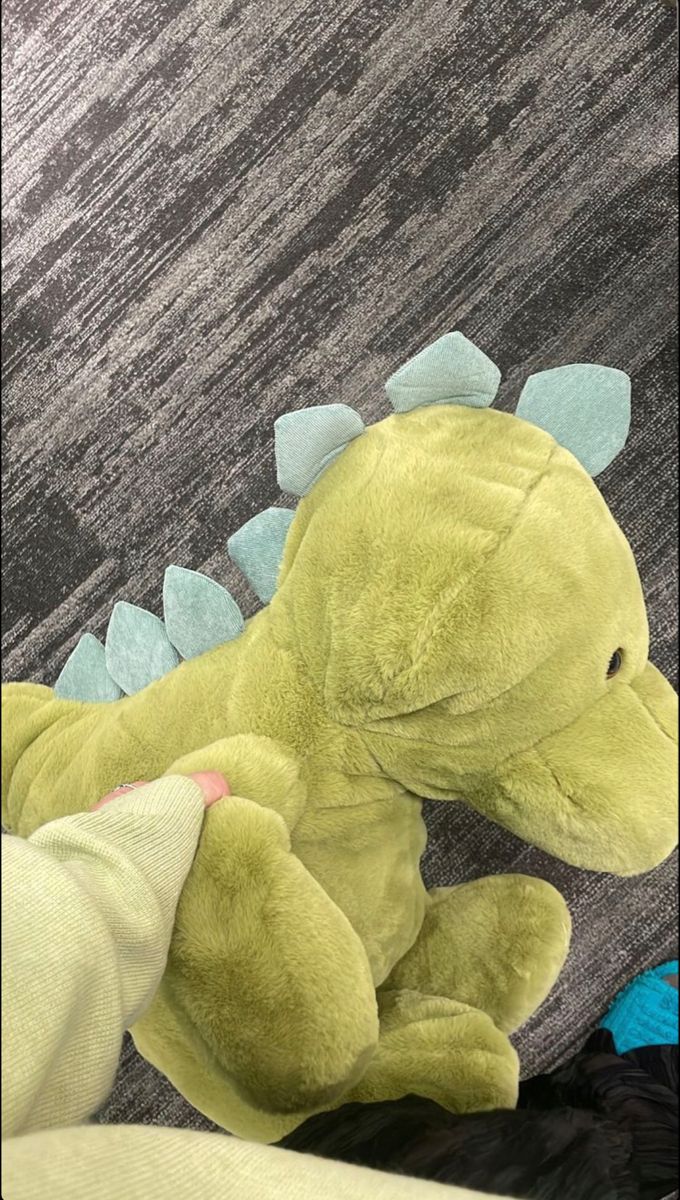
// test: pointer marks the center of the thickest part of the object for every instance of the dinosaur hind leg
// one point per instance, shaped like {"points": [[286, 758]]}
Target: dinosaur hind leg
{"points": [[487, 955], [497, 944]]}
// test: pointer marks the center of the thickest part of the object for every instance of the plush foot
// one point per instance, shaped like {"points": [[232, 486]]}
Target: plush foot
{"points": [[438, 1048], [497, 944]]}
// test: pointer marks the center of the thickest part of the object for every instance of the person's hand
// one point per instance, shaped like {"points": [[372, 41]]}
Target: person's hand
{"points": [[212, 783]]}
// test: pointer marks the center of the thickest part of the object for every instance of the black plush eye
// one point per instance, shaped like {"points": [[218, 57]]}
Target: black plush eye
{"points": [[615, 664]]}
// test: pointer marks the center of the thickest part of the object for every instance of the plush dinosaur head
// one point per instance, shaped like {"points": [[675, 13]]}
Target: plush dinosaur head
{"points": [[469, 604]]}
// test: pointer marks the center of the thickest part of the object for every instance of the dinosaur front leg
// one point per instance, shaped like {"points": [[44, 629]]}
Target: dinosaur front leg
{"points": [[267, 1008], [497, 944], [436, 1047]]}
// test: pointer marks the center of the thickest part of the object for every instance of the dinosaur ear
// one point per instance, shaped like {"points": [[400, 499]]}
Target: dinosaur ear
{"points": [[257, 549], [450, 371], [199, 613], [138, 650], [307, 441], [585, 407], [84, 675]]}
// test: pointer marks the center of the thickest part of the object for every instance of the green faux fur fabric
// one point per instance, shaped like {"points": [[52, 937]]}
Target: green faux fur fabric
{"points": [[457, 616]]}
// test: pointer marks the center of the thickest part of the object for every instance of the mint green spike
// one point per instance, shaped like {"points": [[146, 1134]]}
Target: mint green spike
{"points": [[84, 675], [586, 408], [138, 649], [199, 613], [450, 371], [307, 441], [257, 549]]}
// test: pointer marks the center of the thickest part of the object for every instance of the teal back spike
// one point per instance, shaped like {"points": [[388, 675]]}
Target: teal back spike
{"points": [[586, 408], [257, 549], [307, 441], [450, 371], [138, 649], [199, 613], [84, 675]]}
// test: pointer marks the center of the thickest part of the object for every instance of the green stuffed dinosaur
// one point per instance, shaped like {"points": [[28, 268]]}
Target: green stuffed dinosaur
{"points": [[451, 612]]}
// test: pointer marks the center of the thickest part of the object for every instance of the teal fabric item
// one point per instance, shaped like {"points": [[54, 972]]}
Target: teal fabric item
{"points": [[585, 407], [450, 371], [138, 649], [307, 441], [84, 675], [257, 549], [199, 613], [645, 1013]]}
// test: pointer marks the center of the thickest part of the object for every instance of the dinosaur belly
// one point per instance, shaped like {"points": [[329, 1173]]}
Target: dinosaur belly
{"points": [[367, 860]]}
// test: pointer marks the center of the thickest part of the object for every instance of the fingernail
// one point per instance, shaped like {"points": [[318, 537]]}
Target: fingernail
{"points": [[213, 785]]}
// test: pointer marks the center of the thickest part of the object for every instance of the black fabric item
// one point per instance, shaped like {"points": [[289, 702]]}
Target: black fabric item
{"points": [[637, 1090], [559, 1155], [602, 1127], [661, 1062]]}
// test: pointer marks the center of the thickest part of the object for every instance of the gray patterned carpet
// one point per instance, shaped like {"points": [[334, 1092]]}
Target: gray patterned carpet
{"points": [[216, 210]]}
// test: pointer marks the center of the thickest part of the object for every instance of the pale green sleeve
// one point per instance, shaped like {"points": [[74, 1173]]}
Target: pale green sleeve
{"points": [[88, 906], [108, 1162]]}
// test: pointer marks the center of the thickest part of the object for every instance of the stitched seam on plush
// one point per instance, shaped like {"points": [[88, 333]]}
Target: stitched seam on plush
{"points": [[430, 627]]}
